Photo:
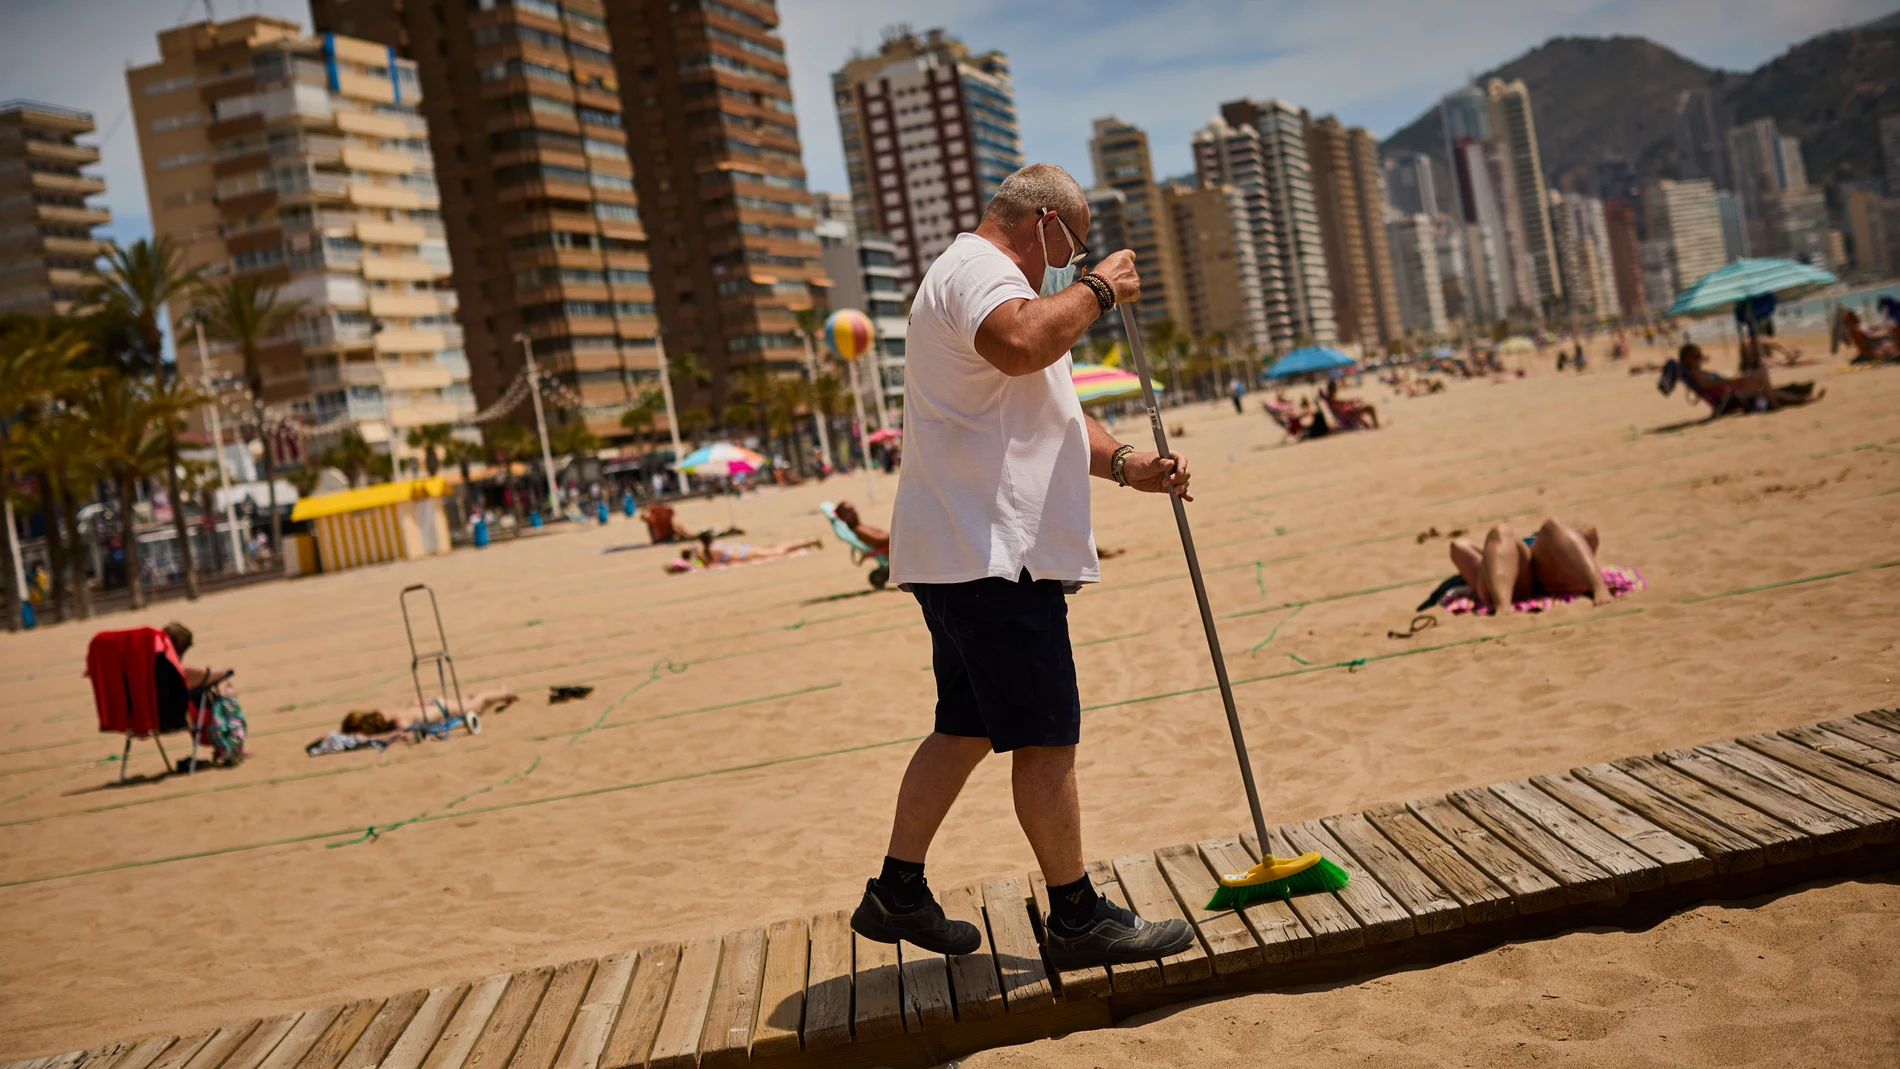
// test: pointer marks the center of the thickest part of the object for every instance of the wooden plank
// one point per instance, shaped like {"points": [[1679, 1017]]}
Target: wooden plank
{"points": [[73, 1059], [1091, 982], [828, 992], [548, 1027], [177, 1054], [1483, 898], [1385, 919], [1630, 868], [1581, 880], [425, 1027], [1019, 964], [1829, 833], [974, 978], [1727, 849], [259, 1045], [1877, 824], [782, 989], [639, 1018], [145, 1053], [502, 1034], [1531, 889], [878, 1009], [106, 1055], [928, 1002], [394, 1016], [726, 1039], [1433, 909], [1679, 859], [1150, 896], [594, 1021], [1840, 747], [1881, 790], [328, 1051], [1866, 734], [1882, 718], [1780, 843], [465, 1029], [1276, 927], [222, 1044], [1331, 927], [1125, 979], [1231, 944], [678, 1041]]}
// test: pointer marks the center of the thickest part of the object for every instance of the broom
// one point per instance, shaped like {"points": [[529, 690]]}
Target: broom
{"points": [[1274, 877]]}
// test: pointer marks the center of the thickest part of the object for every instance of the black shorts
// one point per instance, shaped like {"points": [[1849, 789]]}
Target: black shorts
{"points": [[1004, 668]]}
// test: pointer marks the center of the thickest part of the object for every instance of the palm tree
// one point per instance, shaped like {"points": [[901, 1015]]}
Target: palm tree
{"points": [[828, 396], [573, 440], [641, 417], [431, 439], [172, 400], [693, 423], [351, 455], [54, 448], [1167, 339], [304, 480], [755, 384], [791, 398], [379, 467], [460, 452], [36, 363], [123, 415], [508, 443], [239, 312]]}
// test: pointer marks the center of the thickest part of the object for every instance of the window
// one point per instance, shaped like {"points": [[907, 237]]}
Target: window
{"points": [[594, 146], [614, 182], [539, 7], [170, 85], [714, 7], [183, 159], [598, 117], [173, 122], [625, 213]]}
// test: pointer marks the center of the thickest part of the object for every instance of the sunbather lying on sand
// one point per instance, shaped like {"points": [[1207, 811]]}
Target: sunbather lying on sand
{"points": [[711, 554], [1560, 559], [394, 719]]}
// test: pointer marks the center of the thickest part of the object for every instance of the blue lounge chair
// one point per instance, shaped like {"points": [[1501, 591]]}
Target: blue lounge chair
{"points": [[860, 551]]}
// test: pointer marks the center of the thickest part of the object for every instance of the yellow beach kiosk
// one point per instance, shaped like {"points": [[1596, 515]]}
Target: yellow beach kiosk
{"points": [[389, 521]]}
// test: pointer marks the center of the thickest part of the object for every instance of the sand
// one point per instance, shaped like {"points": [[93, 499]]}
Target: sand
{"points": [[738, 758]]}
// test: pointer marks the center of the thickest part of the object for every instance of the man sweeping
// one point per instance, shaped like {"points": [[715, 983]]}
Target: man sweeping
{"points": [[991, 532]]}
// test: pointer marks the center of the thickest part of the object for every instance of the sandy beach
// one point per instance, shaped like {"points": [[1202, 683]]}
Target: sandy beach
{"points": [[737, 760]]}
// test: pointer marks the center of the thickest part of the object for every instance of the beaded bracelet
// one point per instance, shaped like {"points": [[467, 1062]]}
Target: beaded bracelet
{"points": [[1118, 464], [1104, 291]]}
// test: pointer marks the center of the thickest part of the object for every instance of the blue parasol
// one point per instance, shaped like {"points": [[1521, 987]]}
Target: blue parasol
{"points": [[1745, 280], [1308, 360]]}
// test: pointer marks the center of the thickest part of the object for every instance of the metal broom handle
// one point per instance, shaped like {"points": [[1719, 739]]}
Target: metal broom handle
{"points": [[1200, 585]]}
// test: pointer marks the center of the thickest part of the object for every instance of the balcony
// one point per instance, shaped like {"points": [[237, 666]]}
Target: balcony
{"points": [[59, 213], [58, 246], [361, 373], [377, 161], [364, 195], [405, 305], [377, 232], [38, 149], [392, 342], [404, 269], [68, 183], [430, 376], [420, 414], [352, 121]]}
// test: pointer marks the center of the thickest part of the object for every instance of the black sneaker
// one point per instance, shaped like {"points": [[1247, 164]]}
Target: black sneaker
{"points": [[925, 926], [1115, 937]]}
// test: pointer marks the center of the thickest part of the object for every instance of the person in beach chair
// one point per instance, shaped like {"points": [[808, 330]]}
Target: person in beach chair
{"points": [[1868, 348], [142, 690], [1281, 411], [1752, 392], [865, 541], [1349, 413]]}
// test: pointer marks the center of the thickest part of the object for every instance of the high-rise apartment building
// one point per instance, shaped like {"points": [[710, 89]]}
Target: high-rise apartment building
{"points": [[1500, 268], [641, 159], [1701, 136], [1454, 269], [1515, 129], [1626, 259], [1293, 216], [1219, 280], [1108, 233], [1798, 228], [929, 131], [46, 242], [1765, 164], [1728, 204], [1464, 113], [300, 162], [1582, 235], [1233, 155], [523, 111], [1685, 215], [1348, 188], [1413, 242], [864, 275], [1409, 186], [1656, 259], [1119, 153], [1871, 243]]}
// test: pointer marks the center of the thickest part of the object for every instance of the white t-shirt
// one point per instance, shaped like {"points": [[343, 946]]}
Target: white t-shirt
{"points": [[996, 469]]}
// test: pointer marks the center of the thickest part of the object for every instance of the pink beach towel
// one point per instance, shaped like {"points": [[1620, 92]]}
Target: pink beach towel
{"points": [[1621, 579]]}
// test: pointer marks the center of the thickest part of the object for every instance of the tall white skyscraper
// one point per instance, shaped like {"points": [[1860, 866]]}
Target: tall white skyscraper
{"points": [[1685, 215], [1293, 221], [1232, 155], [1515, 129], [1414, 247]]}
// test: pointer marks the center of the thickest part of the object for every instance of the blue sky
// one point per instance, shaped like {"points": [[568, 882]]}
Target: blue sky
{"points": [[1165, 67]]}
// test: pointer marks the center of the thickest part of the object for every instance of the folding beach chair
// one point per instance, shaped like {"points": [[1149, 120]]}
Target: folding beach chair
{"points": [[859, 550], [138, 688]]}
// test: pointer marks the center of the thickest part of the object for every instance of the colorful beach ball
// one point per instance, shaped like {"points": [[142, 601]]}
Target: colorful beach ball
{"points": [[849, 333]]}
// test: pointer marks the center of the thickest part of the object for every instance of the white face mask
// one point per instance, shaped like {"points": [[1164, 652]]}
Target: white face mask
{"points": [[1056, 279]]}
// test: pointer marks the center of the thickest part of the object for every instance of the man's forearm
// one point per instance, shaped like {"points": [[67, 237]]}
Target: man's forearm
{"points": [[1102, 446]]}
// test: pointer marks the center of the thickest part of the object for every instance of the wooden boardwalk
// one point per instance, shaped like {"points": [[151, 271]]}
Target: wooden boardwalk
{"points": [[1432, 879]]}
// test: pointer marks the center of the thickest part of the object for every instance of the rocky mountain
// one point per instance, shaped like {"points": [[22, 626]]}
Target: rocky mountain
{"points": [[1604, 98]]}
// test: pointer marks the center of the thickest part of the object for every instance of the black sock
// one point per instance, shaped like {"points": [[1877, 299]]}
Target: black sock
{"points": [[901, 885], [1072, 905]]}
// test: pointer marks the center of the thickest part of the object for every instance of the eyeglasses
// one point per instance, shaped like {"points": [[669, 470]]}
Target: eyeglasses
{"points": [[1075, 241]]}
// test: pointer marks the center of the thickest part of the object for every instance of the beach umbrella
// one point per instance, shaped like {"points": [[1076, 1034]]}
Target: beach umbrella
{"points": [[1099, 383], [1516, 344], [884, 435], [1745, 280], [721, 458], [1308, 360]]}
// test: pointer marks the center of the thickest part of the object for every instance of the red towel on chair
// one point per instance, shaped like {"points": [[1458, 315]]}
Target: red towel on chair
{"points": [[123, 666]]}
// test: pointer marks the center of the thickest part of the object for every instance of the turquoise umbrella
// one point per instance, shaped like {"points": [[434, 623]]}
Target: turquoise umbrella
{"points": [[1745, 280], [1308, 360]]}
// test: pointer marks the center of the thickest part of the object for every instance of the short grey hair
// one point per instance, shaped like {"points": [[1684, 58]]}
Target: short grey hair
{"points": [[1033, 188]]}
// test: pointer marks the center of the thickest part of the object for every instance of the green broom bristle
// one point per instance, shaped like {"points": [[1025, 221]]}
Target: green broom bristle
{"points": [[1322, 877]]}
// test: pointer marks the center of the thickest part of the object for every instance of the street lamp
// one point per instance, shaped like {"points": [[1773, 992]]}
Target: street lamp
{"points": [[540, 421]]}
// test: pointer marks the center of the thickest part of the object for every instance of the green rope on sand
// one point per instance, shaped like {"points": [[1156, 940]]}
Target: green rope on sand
{"points": [[1787, 582], [1259, 567], [663, 662], [375, 830], [1297, 659], [1276, 629]]}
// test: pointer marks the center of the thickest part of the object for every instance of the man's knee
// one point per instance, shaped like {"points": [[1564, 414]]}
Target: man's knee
{"points": [[1044, 758]]}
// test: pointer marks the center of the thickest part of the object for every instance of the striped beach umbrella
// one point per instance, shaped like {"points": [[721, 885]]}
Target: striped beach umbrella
{"points": [[848, 332], [1746, 280], [721, 458], [1095, 383]]}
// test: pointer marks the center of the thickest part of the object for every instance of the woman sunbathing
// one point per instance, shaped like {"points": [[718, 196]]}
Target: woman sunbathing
{"points": [[1753, 390], [1560, 559], [711, 554], [395, 719]]}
